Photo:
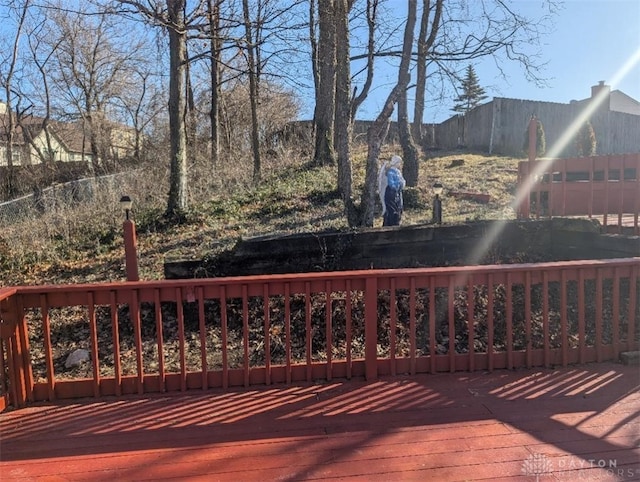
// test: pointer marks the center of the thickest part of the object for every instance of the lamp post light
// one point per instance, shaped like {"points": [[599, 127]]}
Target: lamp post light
{"points": [[437, 203], [130, 241], [126, 203]]}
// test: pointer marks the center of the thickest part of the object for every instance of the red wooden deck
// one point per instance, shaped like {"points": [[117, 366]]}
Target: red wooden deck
{"points": [[576, 423]]}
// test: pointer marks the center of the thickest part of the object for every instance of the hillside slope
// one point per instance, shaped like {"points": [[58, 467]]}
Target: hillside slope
{"points": [[292, 199]]}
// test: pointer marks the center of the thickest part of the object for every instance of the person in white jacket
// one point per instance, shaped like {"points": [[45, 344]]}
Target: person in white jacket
{"points": [[390, 186]]}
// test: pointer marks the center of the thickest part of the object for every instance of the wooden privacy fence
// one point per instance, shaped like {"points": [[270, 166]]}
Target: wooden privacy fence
{"points": [[182, 335], [604, 186]]}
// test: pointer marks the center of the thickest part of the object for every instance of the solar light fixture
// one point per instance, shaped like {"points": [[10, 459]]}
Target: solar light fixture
{"points": [[125, 204]]}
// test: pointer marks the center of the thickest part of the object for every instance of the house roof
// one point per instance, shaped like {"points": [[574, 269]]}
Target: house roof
{"points": [[70, 134]]}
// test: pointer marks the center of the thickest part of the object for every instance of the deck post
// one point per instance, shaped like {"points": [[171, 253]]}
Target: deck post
{"points": [[130, 250], [371, 328]]}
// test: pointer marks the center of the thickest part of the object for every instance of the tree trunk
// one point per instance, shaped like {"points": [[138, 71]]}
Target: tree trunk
{"points": [[326, 93], [343, 110], [253, 92], [424, 46], [376, 135], [191, 120], [214, 116], [409, 151], [177, 202]]}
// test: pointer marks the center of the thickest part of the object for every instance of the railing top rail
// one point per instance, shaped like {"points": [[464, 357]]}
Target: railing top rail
{"points": [[8, 292], [452, 271]]}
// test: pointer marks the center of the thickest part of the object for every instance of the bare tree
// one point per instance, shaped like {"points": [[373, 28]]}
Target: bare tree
{"points": [[215, 58], [177, 201], [372, 20], [90, 67], [7, 81], [140, 105], [41, 55], [253, 66], [408, 136], [173, 19], [429, 25], [380, 127]]}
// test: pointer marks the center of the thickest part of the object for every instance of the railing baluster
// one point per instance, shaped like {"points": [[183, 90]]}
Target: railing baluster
{"points": [[3, 368], [490, 320], [470, 321], [452, 325], [4, 383], [308, 334], [328, 330], [527, 319], [545, 319], [432, 324], [115, 331], [203, 338], [582, 342], [14, 372], [181, 339], [606, 194], [224, 329], [636, 211], [245, 333], [393, 310], [412, 325], [48, 353], [18, 337], [23, 330], [287, 329], [564, 319], [615, 323], [371, 328], [134, 309], [633, 280], [349, 322], [160, 339], [509, 321], [267, 334], [94, 344], [598, 315]]}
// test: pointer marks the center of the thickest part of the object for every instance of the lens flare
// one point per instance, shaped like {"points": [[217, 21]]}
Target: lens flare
{"points": [[564, 140]]}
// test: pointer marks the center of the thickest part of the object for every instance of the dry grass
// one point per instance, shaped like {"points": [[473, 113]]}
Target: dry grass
{"points": [[83, 242]]}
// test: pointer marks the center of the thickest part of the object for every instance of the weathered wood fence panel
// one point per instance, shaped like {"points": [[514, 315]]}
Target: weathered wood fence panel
{"points": [[500, 127]]}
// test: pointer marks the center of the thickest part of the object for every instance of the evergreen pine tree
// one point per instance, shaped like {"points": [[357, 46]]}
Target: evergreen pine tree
{"points": [[472, 93], [541, 142], [585, 141]]}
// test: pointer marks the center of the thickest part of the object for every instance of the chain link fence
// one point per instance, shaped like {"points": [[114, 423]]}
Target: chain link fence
{"points": [[61, 197]]}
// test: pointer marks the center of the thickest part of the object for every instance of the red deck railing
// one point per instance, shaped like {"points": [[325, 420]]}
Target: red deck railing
{"points": [[606, 187], [181, 335]]}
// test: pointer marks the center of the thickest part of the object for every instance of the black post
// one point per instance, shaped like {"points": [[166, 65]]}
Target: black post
{"points": [[437, 210]]}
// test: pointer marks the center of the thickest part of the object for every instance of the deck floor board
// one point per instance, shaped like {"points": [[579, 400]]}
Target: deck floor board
{"points": [[576, 423]]}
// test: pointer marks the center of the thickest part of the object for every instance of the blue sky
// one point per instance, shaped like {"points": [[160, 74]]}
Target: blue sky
{"points": [[592, 41]]}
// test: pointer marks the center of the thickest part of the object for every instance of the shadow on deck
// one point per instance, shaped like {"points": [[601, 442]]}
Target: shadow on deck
{"points": [[576, 423]]}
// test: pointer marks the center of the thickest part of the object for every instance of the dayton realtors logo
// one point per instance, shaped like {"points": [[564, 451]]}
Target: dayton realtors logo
{"points": [[539, 465]]}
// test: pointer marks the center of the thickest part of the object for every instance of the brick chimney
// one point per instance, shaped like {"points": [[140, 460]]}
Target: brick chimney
{"points": [[595, 90], [601, 92]]}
